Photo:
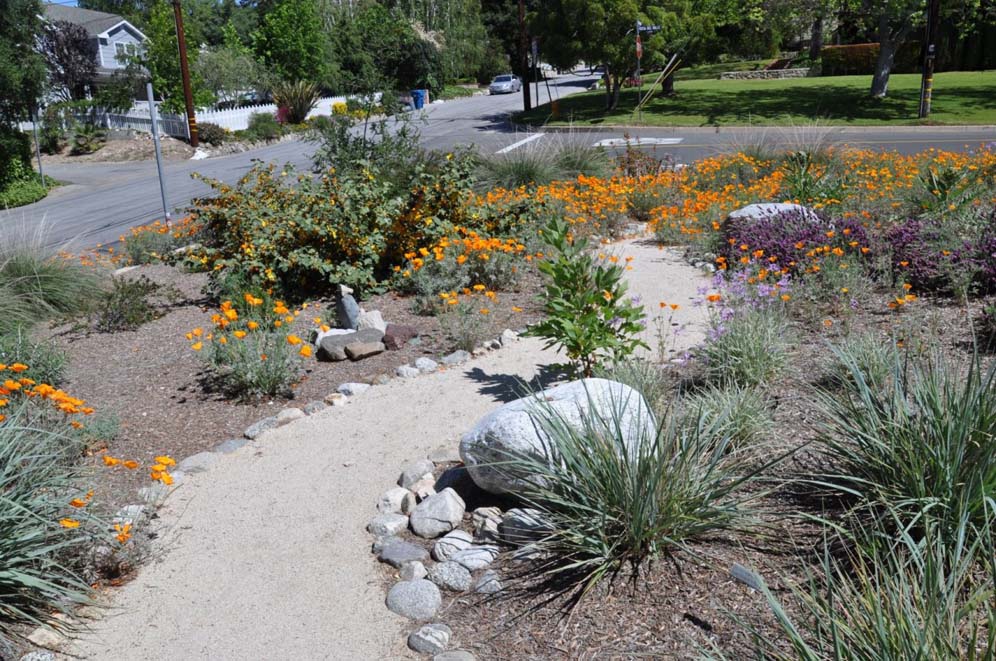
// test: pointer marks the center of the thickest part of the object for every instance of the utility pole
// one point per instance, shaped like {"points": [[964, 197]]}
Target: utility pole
{"points": [[159, 155], [188, 95], [927, 79], [524, 56]]}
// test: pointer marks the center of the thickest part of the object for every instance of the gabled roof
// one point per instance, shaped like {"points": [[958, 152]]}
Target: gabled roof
{"points": [[96, 23]]}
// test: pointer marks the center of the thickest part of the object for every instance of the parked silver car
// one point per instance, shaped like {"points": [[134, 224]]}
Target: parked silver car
{"points": [[505, 84]]}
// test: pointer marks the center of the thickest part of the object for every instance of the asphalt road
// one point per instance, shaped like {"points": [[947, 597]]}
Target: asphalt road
{"points": [[100, 201]]}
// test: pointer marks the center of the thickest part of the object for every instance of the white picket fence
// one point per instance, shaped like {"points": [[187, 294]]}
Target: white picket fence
{"points": [[138, 117]]}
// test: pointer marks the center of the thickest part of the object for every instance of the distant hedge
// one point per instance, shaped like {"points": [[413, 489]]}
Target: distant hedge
{"points": [[859, 59]]}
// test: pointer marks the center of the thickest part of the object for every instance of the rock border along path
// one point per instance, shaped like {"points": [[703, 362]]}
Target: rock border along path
{"points": [[264, 554]]}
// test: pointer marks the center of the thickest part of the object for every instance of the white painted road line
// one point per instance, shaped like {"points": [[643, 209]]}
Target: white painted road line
{"points": [[516, 145], [637, 142]]}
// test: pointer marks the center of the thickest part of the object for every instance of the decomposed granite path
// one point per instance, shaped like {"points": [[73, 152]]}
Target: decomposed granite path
{"points": [[265, 555]]}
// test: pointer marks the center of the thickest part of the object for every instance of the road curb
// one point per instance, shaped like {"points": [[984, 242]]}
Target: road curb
{"points": [[614, 128]]}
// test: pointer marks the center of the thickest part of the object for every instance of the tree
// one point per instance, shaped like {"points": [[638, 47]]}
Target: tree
{"points": [[291, 42], [70, 57], [228, 72], [161, 59], [22, 75]]}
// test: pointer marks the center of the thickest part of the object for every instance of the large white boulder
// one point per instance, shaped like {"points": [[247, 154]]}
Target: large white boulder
{"points": [[516, 428], [766, 210]]}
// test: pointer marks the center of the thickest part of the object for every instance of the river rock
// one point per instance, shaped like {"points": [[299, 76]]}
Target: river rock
{"points": [[396, 501], [347, 311], [430, 639], [414, 472], [451, 576], [450, 543], [437, 514], [426, 365], [476, 557], [515, 431], [384, 525], [398, 552], [372, 319], [416, 600]]}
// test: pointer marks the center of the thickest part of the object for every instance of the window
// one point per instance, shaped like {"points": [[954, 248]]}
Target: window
{"points": [[123, 51]]}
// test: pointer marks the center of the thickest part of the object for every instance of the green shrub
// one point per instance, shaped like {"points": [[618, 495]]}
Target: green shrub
{"points": [[924, 443], [153, 245], [923, 596], [22, 192], [87, 139], [609, 503], [463, 323], [587, 314], [295, 100], [740, 414], [126, 305], [47, 364], [37, 476], [212, 134], [37, 285], [747, 350], [263, 126]]}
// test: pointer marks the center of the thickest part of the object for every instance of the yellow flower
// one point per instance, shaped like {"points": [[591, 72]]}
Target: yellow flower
{"points": [[197, 346], [306, 351], [69, 523], [239, 334], [252, 325], [293, 340], [165, 460], [607, 295]]}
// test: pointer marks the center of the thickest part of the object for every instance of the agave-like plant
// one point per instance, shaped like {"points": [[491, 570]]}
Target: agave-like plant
{"points": [[296, 99]]}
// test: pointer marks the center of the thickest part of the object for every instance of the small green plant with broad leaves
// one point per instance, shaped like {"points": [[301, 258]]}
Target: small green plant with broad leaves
{"points": [[587, 312], [87, 139]]}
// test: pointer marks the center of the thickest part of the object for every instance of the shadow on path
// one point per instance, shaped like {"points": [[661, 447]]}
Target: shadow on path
{"points": [[505, 388]]}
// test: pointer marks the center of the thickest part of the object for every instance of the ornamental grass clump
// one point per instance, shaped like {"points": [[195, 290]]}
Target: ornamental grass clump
{"points": [[741, 414], [252, 351], [587, 312], [616, 493], [746, 349], [922, 444], [924, 595]]}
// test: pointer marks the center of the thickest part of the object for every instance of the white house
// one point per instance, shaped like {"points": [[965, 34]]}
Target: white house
{"points": [[114, 37]]}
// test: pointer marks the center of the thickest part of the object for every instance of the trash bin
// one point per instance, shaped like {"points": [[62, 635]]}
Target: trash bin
{"points": [[418, 99]]}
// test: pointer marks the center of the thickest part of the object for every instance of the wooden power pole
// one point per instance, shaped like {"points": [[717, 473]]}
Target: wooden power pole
{"points": [[929, 53], [188, 95]]}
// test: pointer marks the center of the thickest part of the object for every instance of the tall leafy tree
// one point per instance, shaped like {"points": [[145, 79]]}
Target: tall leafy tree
{"points": [[70, 57], [22, 75], [292, 43], [161, 59]]}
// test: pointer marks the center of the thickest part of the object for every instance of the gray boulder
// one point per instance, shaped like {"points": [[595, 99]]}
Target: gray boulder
{"points": [[372, 319], [412, 570], [430, 639], [396, 501], [347, 311], [521, 526], [450, 576], [398, 552], [437, 514], [415, 471], [361, 350], [766, 210], [354, 389], [332, 347], [456, 358], [488, 583], [407, 372], [453, 541], [476, 557], [384, 525], [256, 429], [426, 365], [416, 600], [515, 431]]}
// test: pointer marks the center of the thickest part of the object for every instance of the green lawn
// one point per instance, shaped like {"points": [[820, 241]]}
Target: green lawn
{"points": [[959, 98]]}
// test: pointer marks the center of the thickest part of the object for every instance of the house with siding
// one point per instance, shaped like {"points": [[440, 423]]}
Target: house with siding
{"points": [[114, 37]]}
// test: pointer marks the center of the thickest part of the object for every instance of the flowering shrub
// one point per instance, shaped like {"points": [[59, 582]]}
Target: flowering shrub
{"points": [[251, 350], [464, 315], [587, 313]]}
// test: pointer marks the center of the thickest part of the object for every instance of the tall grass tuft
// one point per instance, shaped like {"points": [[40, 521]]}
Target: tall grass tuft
{"points": [[37, 284], [36, 579], [542, 161], [741, 414], [923, 443], [927, 595], [746, 350], [613, 500]]}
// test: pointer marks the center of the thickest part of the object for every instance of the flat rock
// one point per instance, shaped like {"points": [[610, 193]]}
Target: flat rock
{"points": [[381, 541], [412, 570], [256, 429], [488, 583], [521, 526], [450, 543], [455, 358], [198, 463], [384, 525], [415, 471], [417, 600], [426, 365], [396, 336], [437, 514], [407, 372], [476, 557], [372, 319], [361, 350], [451, 576], [332, 354], [430, 639], [230, 446], [331, 347], [353, 389], [311, 408], [396, 501], [398, 552], [290, 415], [516, 430]]}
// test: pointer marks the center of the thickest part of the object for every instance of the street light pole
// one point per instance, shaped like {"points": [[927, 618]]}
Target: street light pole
{"points": [[524, 56], [188, 95], [927, 79]]}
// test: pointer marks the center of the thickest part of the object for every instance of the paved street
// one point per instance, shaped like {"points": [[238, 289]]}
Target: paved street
{"points": [[101, 201]]}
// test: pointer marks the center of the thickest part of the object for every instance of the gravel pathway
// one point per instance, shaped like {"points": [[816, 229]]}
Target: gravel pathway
{"points": [[265, 554]]}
